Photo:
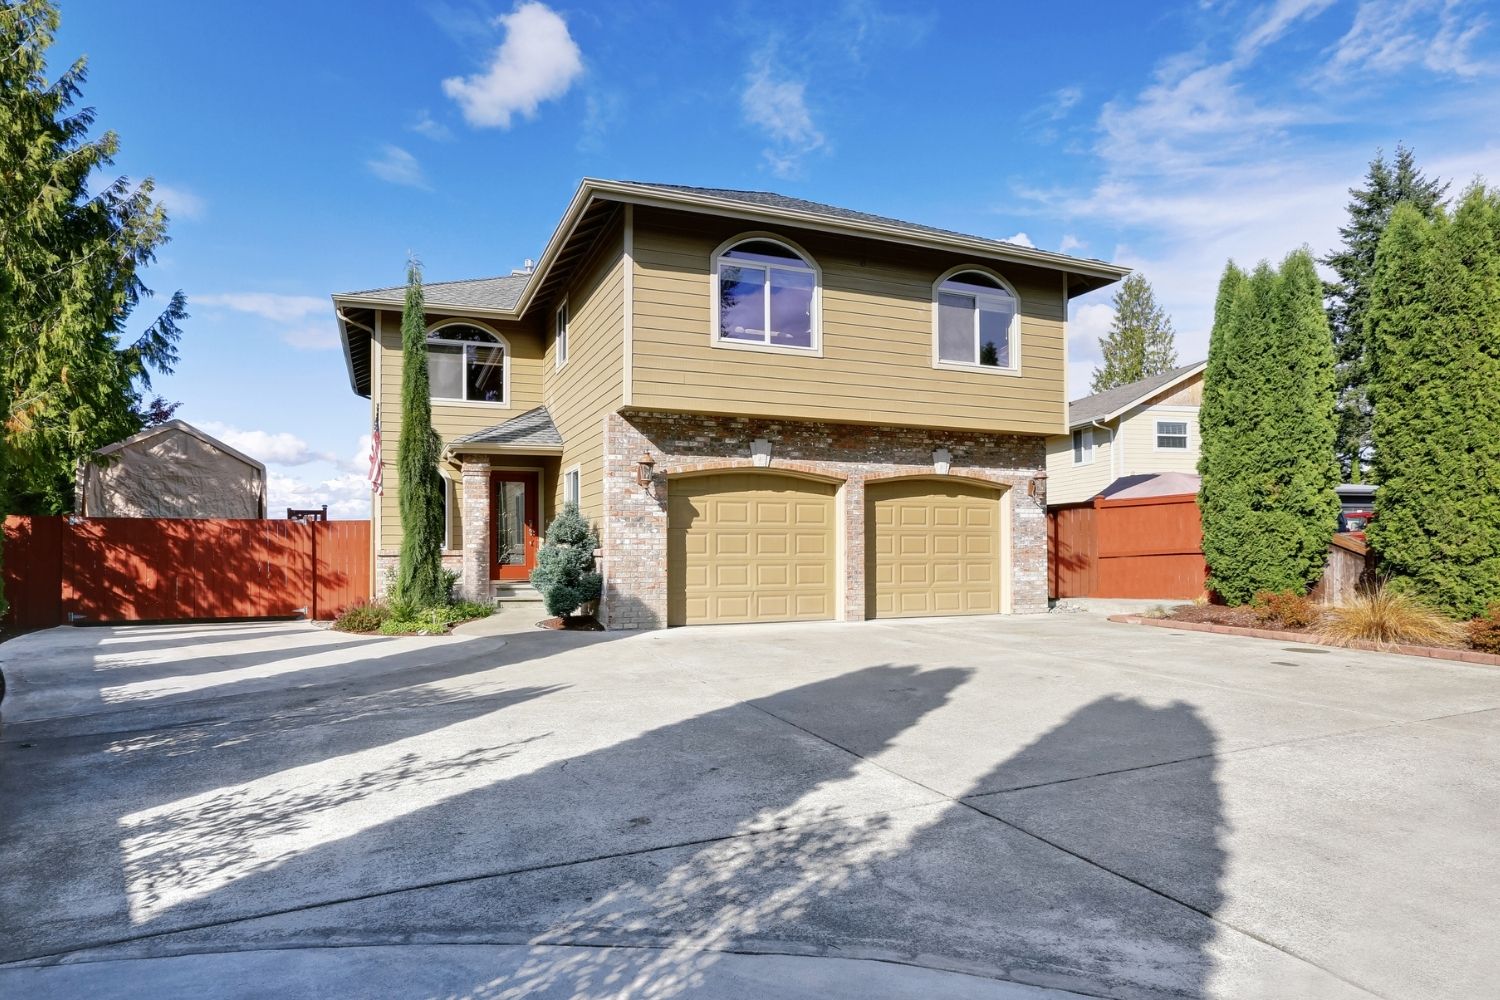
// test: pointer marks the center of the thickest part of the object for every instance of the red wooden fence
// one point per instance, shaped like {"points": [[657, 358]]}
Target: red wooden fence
{"points": [[1148, 547], [60, 569]]}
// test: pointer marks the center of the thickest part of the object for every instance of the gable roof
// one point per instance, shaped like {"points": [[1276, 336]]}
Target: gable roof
{"points": [[532, 431], [500, 293], [1111, 403], [181, 426]]}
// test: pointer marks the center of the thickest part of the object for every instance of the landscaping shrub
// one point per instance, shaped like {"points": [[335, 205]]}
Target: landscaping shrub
{"points": [[1389, 617], [564, 573], [1484, 632], [362, 617], [1285, 608]]}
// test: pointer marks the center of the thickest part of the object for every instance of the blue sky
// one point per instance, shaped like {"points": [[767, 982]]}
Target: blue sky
{"points": [[305, 148]]}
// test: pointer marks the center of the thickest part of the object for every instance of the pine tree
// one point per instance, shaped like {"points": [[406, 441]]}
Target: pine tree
{"points": [[1267, 426], [71, 253], [1140, 342], [1434, 321], [1370, 208], [419, 574], [564, 573]]}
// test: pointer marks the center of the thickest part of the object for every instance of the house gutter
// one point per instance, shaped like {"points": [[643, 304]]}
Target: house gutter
{"points": [[1110, 431]]}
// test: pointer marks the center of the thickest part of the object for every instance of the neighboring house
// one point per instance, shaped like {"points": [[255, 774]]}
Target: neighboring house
{"points": [[171, 470], [1140, 429], [771, 409]]}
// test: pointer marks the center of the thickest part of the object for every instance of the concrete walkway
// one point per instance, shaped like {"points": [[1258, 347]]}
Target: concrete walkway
{"points": [[970, 808]]}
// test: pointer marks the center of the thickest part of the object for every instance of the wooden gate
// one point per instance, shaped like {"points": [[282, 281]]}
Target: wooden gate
{"points": [[1148, 547], [60, 569]]}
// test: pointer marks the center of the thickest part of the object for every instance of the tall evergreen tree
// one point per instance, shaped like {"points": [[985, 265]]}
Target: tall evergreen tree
{"points": [[1140, 342], [1386, 186], [1267, 427], [419, 574], [71, 378], [1434, 322]]}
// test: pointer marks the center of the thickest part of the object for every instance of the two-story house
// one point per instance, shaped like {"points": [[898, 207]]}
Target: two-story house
{"points": [[1145, 428], [771, 409]]}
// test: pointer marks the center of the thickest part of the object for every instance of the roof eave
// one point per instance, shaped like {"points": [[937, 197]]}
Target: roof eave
{"points": [[1136, 401], [493, 448], [368, 302]]}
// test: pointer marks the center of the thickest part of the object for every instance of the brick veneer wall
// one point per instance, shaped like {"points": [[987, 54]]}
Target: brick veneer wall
{"points": [[635, 517]]}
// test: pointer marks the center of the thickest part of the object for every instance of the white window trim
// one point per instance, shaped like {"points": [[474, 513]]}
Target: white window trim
{"points": [[1089, 450], [562, 346], [1186, 435], [811, 265], [1014, 368], [501, 341], [576, 471], [450, 499]]}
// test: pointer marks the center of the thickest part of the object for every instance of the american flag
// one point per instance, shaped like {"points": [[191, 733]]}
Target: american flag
{"points": [[376, 474]]}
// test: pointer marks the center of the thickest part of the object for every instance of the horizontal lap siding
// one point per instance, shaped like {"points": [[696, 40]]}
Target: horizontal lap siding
{"points": [[877, 338], [591, 384], [1069, 483], [449, 419], [1138, 442]]}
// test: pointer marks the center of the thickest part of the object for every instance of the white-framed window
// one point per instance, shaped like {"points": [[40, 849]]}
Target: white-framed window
{"points": [[766, 296], [974, 322], [1083, 446], [562, 335], [1171, 435], [572, 485], [467, 363], [450, 504]]}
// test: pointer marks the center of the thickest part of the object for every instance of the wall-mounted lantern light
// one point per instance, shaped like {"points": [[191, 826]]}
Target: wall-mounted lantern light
{"points": [[1037, 488], [643, 467]]}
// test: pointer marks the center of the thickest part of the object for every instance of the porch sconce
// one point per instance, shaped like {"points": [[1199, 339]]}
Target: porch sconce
{"points": [[643, 467], [1037, 488], [760, 453], [942, 461]]}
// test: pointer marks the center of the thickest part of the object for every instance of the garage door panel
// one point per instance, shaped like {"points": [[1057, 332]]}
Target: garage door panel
{"points": [[933, 548], [746, 547]]}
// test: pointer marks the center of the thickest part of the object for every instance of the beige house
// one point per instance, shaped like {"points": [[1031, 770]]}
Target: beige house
{"points": [[1144, 428], [771, 409]]}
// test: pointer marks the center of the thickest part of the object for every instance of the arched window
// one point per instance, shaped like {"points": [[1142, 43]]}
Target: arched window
{"points": [[975, 321], [766, 295], [466, 362]]}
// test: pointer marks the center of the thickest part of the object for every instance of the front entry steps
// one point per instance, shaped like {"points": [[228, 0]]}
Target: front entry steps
{"points": [[514, 592]]}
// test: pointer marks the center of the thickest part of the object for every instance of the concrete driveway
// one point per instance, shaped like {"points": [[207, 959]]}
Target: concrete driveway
{"points": [[968, 808]]}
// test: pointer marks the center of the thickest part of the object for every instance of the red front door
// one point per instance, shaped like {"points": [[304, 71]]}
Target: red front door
{"points": [[514, 539]]}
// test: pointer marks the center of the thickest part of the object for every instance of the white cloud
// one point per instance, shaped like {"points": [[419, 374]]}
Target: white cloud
{"points": [[1071, 243], [293, 315], [397, 166], [428, 126], [778, 107], [1087, 322], [180, 202], [267, 305], [538, 61], [1391, 35], [1273, 21], [1020, 240], [273, 448], [347, 495]]}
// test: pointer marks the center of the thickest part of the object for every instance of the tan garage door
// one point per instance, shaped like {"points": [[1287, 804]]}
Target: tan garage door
{"points": [[749, 547], [933, 548]]}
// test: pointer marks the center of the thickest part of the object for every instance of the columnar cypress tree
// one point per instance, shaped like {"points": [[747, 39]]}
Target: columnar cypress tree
{"points": [[419, 576], [1370, 207], [1267, 426], [1140, 342], [1434, 322]]}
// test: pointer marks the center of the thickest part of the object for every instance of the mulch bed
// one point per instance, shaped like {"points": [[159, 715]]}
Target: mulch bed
{"points": [[573, 623], [1281, 635], [1217, 614]]}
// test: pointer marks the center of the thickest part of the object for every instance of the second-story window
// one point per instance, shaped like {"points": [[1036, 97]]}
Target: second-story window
{"points": [[976, 322], [562, 335], [465, 362], [766, 295]]}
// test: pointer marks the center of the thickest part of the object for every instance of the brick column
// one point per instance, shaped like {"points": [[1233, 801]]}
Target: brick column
{"points": [[1028, 593], [852, 502], [475, 574], [635, 539]]}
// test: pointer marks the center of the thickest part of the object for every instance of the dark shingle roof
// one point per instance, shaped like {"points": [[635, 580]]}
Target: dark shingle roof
{"points": [[1102, 404], [771, 200], [481, 293], [534, 428]]}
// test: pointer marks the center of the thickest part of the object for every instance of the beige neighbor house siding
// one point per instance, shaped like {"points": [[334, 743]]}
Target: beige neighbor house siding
{"points": [[591, 384], [877, 350], [1069, 483], [1139, 453], [450, 419]]}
